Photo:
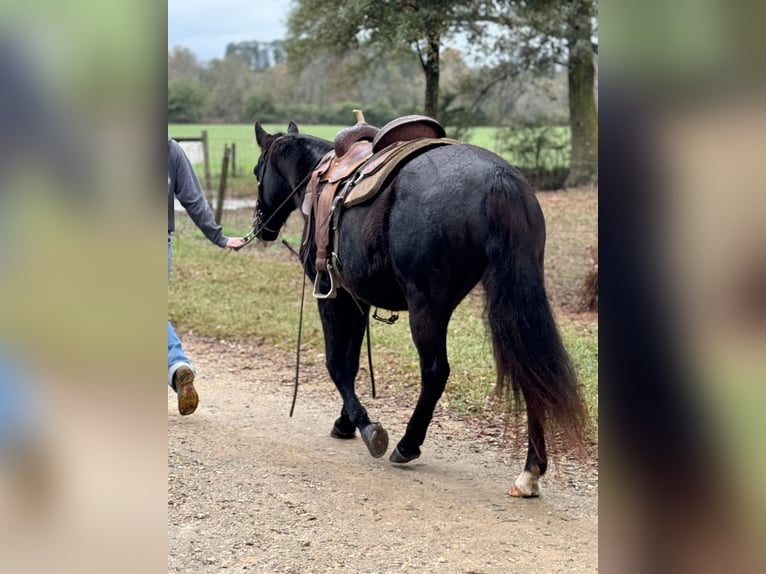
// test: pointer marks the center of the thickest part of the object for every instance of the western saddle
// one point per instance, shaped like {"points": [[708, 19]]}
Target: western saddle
{"points": [[353, 172]]}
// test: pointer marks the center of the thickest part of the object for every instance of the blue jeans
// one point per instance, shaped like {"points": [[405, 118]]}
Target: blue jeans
{"points": [[18, 416], [176, 356]]}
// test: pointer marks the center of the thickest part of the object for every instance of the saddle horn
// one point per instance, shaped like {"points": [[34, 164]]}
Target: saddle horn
{"points": [[361, 131]]}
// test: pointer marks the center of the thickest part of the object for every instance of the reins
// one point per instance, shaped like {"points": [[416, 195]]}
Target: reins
{"points": [[257, 229], [298, 349], [300, 332]]}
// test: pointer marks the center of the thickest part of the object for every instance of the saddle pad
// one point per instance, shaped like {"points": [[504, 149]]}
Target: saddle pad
{"points": [[374, 177]]}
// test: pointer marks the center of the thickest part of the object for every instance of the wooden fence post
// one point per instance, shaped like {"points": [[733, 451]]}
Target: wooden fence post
{"points": [[233, 159], [206, 150], [222, 185]]}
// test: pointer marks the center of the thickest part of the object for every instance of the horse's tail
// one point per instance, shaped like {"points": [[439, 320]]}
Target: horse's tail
{"points": [[529, 353]]}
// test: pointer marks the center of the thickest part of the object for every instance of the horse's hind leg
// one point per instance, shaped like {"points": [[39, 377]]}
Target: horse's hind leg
{"points": [[429, 332], [344, 327], [527, 484]]}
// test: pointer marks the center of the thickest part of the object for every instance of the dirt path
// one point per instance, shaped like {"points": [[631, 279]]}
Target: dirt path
{"points": [[251, 489]]}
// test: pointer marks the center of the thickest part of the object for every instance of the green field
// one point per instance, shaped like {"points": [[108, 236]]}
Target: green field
{"points": [[242, 184]]}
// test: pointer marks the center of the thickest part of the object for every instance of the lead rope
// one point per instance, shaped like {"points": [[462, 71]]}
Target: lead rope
{"points": [[300, 331], [298, 350]]}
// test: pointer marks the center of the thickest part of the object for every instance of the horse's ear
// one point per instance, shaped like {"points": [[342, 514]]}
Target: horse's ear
{"points": [[260, 134], [292, 128]]}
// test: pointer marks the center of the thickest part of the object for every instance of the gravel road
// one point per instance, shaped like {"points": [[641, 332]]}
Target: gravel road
{"points": [[250, 488]]}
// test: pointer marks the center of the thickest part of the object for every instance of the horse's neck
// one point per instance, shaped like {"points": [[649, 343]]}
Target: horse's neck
{"points": [[312, 153], [316, 152], [309, 153]]}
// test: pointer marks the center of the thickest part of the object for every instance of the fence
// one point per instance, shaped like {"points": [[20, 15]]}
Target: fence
{"points": [[198, 150], [191, 146], [541, 153]]}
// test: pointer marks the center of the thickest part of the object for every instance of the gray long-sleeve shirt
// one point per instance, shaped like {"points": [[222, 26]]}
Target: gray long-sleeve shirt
{"points": [[184, 184]]}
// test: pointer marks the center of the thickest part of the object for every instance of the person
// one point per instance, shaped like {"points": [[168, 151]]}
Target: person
{"points": [[184, 185]]}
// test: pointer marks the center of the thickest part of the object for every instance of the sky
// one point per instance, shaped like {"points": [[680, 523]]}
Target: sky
{"points": [[207, 26]]}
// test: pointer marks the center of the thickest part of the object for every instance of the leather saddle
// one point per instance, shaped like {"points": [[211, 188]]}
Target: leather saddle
{"points": [[357, 176]]}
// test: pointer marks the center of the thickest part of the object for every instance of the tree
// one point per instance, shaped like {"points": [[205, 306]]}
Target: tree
{"points": [[583, 117], [229, 82], [543, 34], [183, 65], [262, 108], [187, 97], [187, 102], [258, 56], [380, 27]]}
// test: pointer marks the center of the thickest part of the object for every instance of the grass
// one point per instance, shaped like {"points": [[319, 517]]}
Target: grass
{"points": [[241, 183], [254, 295]]}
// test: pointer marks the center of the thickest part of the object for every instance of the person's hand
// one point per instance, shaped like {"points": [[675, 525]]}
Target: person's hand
{"points": [[235, 242]]}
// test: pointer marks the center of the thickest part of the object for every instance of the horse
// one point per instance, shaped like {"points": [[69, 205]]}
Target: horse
{"points": [[451, 217]]}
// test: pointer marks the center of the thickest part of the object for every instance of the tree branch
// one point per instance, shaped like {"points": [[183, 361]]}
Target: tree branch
{"points": [[420, 55]]}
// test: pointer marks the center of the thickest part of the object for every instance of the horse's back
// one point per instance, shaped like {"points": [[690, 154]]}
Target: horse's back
{"points": [[446, 195], [430, 225]]}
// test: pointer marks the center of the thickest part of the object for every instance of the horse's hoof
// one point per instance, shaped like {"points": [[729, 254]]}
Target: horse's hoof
{"points": [[398, 457], [376, 439], [527, 485], [338, 432]]}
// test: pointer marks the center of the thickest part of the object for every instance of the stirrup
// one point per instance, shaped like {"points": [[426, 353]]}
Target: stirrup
{"points": [[331, 294]]}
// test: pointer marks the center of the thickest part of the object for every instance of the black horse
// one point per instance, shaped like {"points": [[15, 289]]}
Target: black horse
{"points": [[451, 217]]}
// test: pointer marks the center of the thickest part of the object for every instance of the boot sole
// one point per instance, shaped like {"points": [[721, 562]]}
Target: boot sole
{"points": [[187, 394]]}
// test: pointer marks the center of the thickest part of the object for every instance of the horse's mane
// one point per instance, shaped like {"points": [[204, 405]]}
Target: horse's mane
{"points": [[314, 141], [307, 142]]}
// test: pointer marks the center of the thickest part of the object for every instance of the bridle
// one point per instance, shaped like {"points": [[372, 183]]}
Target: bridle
{"points": [[258, 224]]}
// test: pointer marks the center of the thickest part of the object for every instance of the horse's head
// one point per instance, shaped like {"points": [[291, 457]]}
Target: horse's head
{"points": [[273, 205]]}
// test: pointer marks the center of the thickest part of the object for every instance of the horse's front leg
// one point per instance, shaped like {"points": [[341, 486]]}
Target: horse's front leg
{"points": [[429, 332], [344, 427], [344, 325]]}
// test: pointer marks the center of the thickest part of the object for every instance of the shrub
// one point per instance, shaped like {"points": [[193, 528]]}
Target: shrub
{"points": [[187, 102]]}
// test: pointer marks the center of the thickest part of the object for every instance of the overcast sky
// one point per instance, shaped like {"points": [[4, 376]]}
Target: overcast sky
{"points": [[207, 26]]}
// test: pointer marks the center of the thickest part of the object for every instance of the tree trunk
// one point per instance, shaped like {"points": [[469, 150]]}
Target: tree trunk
{"points": [[583, 117], [431, 69]]}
